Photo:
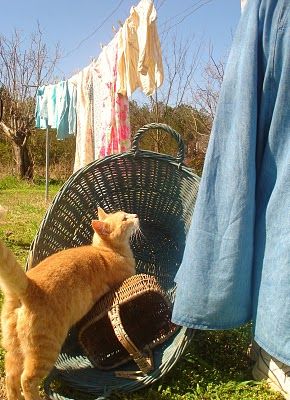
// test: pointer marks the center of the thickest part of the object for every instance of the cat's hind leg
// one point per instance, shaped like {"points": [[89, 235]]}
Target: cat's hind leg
{"points": [[41, 339], [11, 343], [13, 368], [40, 355], [36, 367]]}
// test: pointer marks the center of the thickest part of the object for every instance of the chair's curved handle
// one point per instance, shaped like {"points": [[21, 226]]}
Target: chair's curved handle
{"points": [[144, 361], [175, 135]]}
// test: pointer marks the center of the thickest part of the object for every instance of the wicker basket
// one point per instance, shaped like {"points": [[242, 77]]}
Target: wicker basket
{"points": [[162, 192], [126, 324]]}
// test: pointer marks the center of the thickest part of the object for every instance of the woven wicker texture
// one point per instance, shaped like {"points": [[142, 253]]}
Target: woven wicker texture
{"points": [[162, 192], [113, 329]]}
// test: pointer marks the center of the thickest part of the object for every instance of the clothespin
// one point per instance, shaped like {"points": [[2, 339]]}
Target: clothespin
{"points": [[120, 23], [114, 29], [102, 46]]}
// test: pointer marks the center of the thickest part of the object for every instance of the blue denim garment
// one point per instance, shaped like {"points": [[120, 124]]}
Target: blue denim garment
{"points": [[236, 264]]}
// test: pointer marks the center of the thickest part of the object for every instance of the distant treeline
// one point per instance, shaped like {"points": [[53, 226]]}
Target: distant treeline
{"points": [[194, 126]]}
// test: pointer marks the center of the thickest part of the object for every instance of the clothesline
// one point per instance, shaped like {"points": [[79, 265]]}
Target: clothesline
{"points": [[93, 104]]}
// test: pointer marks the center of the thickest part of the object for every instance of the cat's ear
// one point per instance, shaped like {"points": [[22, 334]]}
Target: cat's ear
{"points": [[101, 214], [101, 228]]}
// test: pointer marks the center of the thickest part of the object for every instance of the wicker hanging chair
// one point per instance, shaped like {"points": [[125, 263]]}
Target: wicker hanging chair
{"points": [[162, 191]]}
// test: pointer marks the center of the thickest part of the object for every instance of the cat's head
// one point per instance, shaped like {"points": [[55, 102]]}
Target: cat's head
{"points": [[116, 228]]}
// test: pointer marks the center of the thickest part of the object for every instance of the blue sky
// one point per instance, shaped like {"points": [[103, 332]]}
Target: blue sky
{"points": [[70, 23]]}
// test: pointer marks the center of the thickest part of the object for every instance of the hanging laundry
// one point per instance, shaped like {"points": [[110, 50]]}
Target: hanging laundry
{"points": [[93, 104], [84, 137], [103, 127], [243, 3], [51, 104], [140, 57], [41, 107], [65, 109], [111, 109], [72, 114], [56, 107], [132, 59]]}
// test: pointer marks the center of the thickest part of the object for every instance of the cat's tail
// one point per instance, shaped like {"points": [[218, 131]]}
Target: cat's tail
{"points": [[13, 279]]}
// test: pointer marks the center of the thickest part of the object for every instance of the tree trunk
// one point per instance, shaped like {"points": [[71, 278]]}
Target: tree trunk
{"points": [[22, 155], [23, 158]]}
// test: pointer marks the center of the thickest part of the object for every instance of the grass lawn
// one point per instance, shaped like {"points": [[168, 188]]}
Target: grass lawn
{"points": [[214, 367]]}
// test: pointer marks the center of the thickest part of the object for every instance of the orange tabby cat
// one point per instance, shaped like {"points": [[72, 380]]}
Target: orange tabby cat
{"points": [[43, 304]]}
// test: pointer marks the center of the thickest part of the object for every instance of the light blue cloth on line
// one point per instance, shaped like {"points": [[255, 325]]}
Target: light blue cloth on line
{"points": [[72, 109], [41, 108], [56, 107], [51, 105], [236, 264], [65, 109]]}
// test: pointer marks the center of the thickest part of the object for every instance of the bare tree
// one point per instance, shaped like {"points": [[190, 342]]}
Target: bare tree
{"points": [[180, 64], [186, 102], [25, 64], [205, 94]]}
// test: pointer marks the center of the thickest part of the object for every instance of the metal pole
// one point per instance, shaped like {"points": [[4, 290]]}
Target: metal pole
{"points": [[46, 164]]}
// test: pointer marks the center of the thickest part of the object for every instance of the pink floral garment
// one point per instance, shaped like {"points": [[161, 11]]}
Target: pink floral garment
{"points": [[110, 109]]}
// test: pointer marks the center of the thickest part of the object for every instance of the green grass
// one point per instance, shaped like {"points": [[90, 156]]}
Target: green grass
{"points": [[26, 207], [214, 367]]}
